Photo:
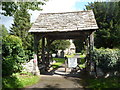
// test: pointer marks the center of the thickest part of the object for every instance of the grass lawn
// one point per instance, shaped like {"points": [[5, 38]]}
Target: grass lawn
{"points": [[19, 80], [59, 62], [72, 55], [82, 66], [110, 82], [69, 56]]}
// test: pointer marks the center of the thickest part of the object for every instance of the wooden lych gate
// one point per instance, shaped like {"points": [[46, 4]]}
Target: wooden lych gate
{"points": [[66, 25]]}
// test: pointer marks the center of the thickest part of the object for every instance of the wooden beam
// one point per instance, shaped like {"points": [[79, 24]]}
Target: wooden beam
{"points": [[66, 37]]}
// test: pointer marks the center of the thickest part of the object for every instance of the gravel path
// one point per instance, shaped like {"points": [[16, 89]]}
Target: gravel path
{"points": [[59, 79], [57, 82]]}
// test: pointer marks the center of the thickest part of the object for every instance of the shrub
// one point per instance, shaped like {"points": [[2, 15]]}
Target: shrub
{"points": [[13, 55], [107, 59]]}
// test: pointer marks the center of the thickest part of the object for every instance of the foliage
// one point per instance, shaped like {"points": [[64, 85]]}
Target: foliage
{"points": [[79, 44], [4, 30], [107, 15], [3, 33], [12, 55], [59, 45], [19, 10], [19, 81], [20, 28], [99, 83], [59, 62], [107, 59], [10, 8], [82, 66], [22, 25]]}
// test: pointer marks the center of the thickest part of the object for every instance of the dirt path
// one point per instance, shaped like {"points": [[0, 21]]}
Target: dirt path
{"points": [[60, 79]]}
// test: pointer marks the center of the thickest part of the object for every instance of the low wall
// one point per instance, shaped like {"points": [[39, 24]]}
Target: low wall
{"points": [[31, 67]]}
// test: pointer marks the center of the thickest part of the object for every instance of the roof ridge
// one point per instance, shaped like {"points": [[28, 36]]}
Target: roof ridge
{"points": [[66, 12]]}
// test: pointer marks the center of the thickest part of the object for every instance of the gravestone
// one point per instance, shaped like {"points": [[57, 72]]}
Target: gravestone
{"points": [[72, 62], [62, 53]]}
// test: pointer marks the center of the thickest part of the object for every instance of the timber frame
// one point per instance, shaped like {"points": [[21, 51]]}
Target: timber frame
{"points": [[61, 26]]}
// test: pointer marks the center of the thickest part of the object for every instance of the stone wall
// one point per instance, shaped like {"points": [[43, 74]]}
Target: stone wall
{"points": [[31, 67]]}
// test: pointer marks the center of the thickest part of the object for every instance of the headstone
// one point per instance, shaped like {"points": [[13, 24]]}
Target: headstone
{"points": [[62, 53], [53, 55], [99, 72], [72, 62]]}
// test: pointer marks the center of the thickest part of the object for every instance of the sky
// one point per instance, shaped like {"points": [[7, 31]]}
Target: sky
{"points": [[51, 6]]}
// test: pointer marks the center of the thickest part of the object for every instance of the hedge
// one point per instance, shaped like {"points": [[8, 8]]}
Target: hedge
{"points": [[107, 59]]}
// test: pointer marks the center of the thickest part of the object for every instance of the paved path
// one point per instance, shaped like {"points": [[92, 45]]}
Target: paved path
{"points": [[59, 79]]}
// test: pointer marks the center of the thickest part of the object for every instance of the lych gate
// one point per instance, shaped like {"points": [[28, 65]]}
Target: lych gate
{"points": [[67, 25]]}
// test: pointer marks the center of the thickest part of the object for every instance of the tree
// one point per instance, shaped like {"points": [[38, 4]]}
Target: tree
{"points": [[22, 25], [10, 8], [108, 19], [4, 30], [59, 45], [79, 44], [3, 33]]}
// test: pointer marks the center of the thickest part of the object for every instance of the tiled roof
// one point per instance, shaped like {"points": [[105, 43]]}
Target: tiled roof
{"points": [[65, 21]]}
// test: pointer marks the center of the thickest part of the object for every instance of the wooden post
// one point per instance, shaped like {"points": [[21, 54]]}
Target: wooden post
{"points": [[35, 44], [92, 63], [92, 40], [35, 61], [65, 65], [92, 48], [48, 52], [88, 53], [43, 50], [88, 45]]}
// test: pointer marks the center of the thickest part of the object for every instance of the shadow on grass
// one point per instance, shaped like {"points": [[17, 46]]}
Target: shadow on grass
{"points": [[11, 82], [110, 82]]}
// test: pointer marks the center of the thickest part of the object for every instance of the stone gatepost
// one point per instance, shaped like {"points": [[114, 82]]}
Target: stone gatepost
{"points": [[35, 66]]}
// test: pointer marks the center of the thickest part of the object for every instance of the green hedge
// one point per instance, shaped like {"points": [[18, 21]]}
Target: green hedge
{"points": [[12, 55], [107, 59]]}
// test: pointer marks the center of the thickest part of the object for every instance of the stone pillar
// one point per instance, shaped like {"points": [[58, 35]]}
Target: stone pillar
{"points": [[35, 66]]}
